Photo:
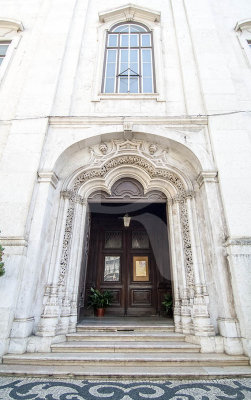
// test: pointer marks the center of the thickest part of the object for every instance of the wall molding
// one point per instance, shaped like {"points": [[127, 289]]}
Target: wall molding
{"points": [[13, 241]]}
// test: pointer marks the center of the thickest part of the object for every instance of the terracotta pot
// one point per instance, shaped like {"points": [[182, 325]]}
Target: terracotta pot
{"points": [[100, 312]]}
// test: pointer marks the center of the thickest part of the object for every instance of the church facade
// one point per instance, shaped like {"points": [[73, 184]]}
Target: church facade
{"points": [[114, 110]]}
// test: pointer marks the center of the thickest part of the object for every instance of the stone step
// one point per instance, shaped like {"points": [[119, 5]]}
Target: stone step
{"points": [[124, 372], [125, 336], [126, 359], [128, 347], [125, 328]]}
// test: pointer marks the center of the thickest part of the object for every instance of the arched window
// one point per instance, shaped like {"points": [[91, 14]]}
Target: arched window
{"points": [[9, 39], [128, 65]]}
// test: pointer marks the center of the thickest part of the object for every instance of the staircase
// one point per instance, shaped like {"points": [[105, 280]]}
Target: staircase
{"points": [[125, 351]]}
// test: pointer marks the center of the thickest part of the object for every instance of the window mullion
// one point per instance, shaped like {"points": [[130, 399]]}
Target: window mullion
{"points": [[118, 61], [140, 67], [153, 65], [129, 59], [105, 65]]}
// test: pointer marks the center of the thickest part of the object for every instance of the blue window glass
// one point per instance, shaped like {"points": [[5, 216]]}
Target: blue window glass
{"points": [[3, 50], [146, 40], [112, 41], [129, 60]]}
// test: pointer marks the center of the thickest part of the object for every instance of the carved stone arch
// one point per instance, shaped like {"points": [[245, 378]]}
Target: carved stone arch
{"points": [[140, 162], [135, 160], [101, 178]]}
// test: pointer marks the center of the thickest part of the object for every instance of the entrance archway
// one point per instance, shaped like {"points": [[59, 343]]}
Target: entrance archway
{"points": [[127, 159], [129, 259]]}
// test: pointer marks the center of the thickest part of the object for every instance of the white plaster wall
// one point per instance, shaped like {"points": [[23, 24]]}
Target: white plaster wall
{"points": [[53, 71], [221, 64]]}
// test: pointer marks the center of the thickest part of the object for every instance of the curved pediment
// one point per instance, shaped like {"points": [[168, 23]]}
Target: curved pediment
{"points": [[10, 25], [130, 12], [243, 25]]}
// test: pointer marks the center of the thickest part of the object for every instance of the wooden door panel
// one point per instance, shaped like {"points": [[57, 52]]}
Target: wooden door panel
{"points": [[134, 294], [141, 297]]}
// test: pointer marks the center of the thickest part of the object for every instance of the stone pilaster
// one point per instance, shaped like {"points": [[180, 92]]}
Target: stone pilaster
{"points": [[239, 260], [227, 321]]}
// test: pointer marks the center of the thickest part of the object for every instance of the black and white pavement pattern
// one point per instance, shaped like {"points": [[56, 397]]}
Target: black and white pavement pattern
{"points": [[69, 389]]}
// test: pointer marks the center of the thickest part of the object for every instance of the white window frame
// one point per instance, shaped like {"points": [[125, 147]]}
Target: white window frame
{"points": [[243, 29], [118, 48], [9, 32], [122, 15]]}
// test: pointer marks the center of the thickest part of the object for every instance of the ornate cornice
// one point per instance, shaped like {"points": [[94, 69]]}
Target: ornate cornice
{"points": [[85, 122]]}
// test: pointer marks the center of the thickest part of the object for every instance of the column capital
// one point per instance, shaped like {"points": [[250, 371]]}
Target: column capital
{"points": [[47, 177], [207, 176], [179, 198], [73, 196]]}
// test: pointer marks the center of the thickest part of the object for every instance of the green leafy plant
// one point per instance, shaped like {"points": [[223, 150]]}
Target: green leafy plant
{"points": [[168, 304], [98, 299], [2, 270]]}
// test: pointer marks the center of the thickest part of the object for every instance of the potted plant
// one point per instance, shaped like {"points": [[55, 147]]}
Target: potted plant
{"points": [[168, 304], [100, 300]]}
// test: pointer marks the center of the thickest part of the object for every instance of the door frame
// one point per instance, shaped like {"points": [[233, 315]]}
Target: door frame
{"points": [[127, 288]]}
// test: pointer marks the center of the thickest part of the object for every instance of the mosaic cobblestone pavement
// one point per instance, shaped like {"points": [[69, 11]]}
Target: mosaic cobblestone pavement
{"points": [[68, 389]]}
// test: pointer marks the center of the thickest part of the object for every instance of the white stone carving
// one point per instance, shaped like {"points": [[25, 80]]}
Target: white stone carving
{"points": [[128, 126], [153, 148], [135, 160], [157, 155], [103, 148]]}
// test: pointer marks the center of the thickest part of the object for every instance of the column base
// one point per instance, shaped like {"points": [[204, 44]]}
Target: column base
{"points": [[18, 345], [230, 331], [22, 327], [43, 344], [4, 346], [47, 326], [233, 346], [209, 344]]}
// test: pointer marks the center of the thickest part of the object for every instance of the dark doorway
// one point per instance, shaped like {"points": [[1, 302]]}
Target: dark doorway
{"points": [[132, 262]]}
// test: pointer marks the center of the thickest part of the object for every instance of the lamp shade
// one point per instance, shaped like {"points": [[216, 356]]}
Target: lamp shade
{"points": [[127, 220]]}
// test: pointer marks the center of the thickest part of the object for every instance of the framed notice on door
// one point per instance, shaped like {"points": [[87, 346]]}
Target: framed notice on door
{"points": [[140, 269]]}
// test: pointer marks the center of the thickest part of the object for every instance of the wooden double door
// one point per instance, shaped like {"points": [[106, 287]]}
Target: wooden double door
{"points": [[121, 260]]}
